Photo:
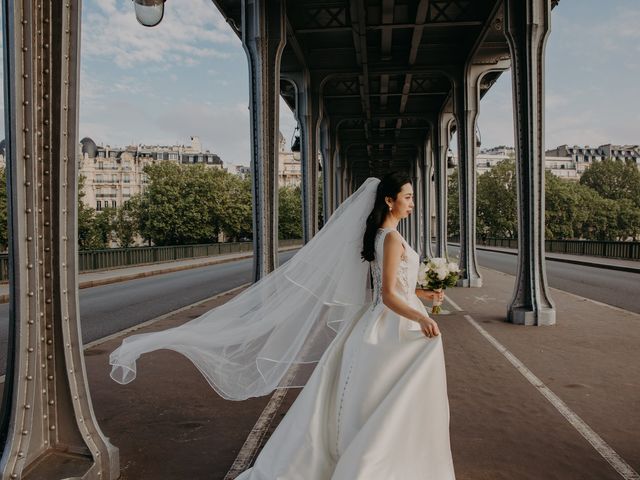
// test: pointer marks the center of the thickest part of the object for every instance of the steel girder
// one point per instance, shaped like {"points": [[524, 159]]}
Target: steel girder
{"points": [[307, 113], [48, 423], [527, 27], [442, 131], [263, 39]]}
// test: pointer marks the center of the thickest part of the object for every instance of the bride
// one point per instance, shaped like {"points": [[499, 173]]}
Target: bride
{"points": [[375, 405]]}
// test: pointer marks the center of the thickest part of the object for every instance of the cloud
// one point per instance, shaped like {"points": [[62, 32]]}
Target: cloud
{"points": [[186, 36]]}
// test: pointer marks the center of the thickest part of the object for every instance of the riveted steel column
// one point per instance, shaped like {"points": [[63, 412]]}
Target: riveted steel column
{"points": [[263, 39], [426, 189], [48, 424], [414, 218], [466, 112], [306, 120], [337, 175], [443, 131], [527, 27], [325, 149]]}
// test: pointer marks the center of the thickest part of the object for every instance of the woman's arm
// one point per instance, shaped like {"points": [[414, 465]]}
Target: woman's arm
{"points": [[393, 251]]}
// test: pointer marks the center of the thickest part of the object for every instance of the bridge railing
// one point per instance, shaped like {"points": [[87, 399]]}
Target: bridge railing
{"points": [[108, 258], [594, 248]]}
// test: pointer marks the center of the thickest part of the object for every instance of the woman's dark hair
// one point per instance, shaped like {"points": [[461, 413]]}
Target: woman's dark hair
{"points": [[389, 186]]}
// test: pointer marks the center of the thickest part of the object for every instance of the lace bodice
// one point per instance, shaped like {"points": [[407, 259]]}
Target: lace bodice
{"points": [[407, 270]]}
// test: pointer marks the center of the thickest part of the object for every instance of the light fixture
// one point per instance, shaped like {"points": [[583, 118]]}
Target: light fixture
{"points": [[149, 12]]}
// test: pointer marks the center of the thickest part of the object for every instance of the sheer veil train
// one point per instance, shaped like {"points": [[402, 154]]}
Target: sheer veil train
{"points": [[245, 347]]}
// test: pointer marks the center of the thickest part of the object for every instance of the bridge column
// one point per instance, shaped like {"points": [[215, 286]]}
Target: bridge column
{"points": [[527, 26], [263, 39], [47, 425], [425, 193], [466, 111], [307, 116], [326, 148], [414, 224], [338, 172], [442, 131]]}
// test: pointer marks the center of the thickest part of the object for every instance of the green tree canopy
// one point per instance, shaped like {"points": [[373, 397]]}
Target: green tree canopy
{"points": [[496, 201], [614, 180]]}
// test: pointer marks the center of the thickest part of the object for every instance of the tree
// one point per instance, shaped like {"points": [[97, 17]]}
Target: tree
{"points": [[184, 203], [497, 202], [290, 212], [124, 225], [92, 229], [614, 180], [236, 221]]}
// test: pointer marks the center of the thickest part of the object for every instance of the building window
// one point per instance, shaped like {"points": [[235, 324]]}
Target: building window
{"points": [[127, 179], [98, 205], [113, 203], [100, 165]]}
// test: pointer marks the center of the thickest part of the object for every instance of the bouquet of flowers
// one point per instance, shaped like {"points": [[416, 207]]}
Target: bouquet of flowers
{"points": [[436, 274]]}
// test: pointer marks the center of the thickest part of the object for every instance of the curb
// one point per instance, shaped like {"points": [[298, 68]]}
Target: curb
{"points": [[621, 268], [585, 263], [4, 298]]}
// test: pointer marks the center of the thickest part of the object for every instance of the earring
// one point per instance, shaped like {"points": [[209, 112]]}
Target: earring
{"points": [[390, 208]]}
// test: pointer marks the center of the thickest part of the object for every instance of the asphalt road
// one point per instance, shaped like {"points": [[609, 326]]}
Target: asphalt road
{"points": [[621, 289], [111, 308]]}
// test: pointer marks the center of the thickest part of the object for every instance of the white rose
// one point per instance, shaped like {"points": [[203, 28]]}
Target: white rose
{"points": [[442, 273], [439, 262], [453, 267]]}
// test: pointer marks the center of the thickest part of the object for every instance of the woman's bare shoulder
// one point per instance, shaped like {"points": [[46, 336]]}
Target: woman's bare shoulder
{"points": [[393, 241]]}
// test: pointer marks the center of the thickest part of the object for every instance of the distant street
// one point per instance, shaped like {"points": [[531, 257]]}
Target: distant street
{"points": [[621, 289], [111, 308]]}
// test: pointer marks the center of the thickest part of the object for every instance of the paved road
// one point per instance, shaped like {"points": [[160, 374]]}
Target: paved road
{"points": [[621, 289], [110, 308]]}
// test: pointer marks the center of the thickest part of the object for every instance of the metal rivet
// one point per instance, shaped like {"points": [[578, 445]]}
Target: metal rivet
{"points": [[49, 342], [29, 377], [27, 406], [49, 357], [25, 432], [50, 377], [52, 427], [30, 349], [30, 322]]}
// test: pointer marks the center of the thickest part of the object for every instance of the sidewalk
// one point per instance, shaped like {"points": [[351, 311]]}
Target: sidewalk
{"points": [[169, 424], [105, 277], [632, 266]]}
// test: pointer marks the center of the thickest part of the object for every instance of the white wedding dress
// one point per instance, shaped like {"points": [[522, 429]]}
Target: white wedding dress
{"points": [[375, 407]]}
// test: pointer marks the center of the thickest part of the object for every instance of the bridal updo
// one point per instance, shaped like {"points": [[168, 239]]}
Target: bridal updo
{"points": [[389, 186]]}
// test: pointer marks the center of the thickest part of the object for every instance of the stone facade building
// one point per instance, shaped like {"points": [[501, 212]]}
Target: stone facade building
{"points": [[112, 175]]}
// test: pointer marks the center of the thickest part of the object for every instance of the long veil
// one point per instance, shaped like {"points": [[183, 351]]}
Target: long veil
{"points": [[245, 347]]}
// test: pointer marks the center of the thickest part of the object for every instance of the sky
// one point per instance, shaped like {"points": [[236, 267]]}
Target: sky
{"points": [[188, 76]]}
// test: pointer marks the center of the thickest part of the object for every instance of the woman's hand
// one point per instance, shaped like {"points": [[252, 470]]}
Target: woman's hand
{"points": [[430, 294], [429, 327]]}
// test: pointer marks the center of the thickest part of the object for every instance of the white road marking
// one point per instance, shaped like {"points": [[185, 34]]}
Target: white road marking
{"points": [[603, 448], [251, 445]]}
